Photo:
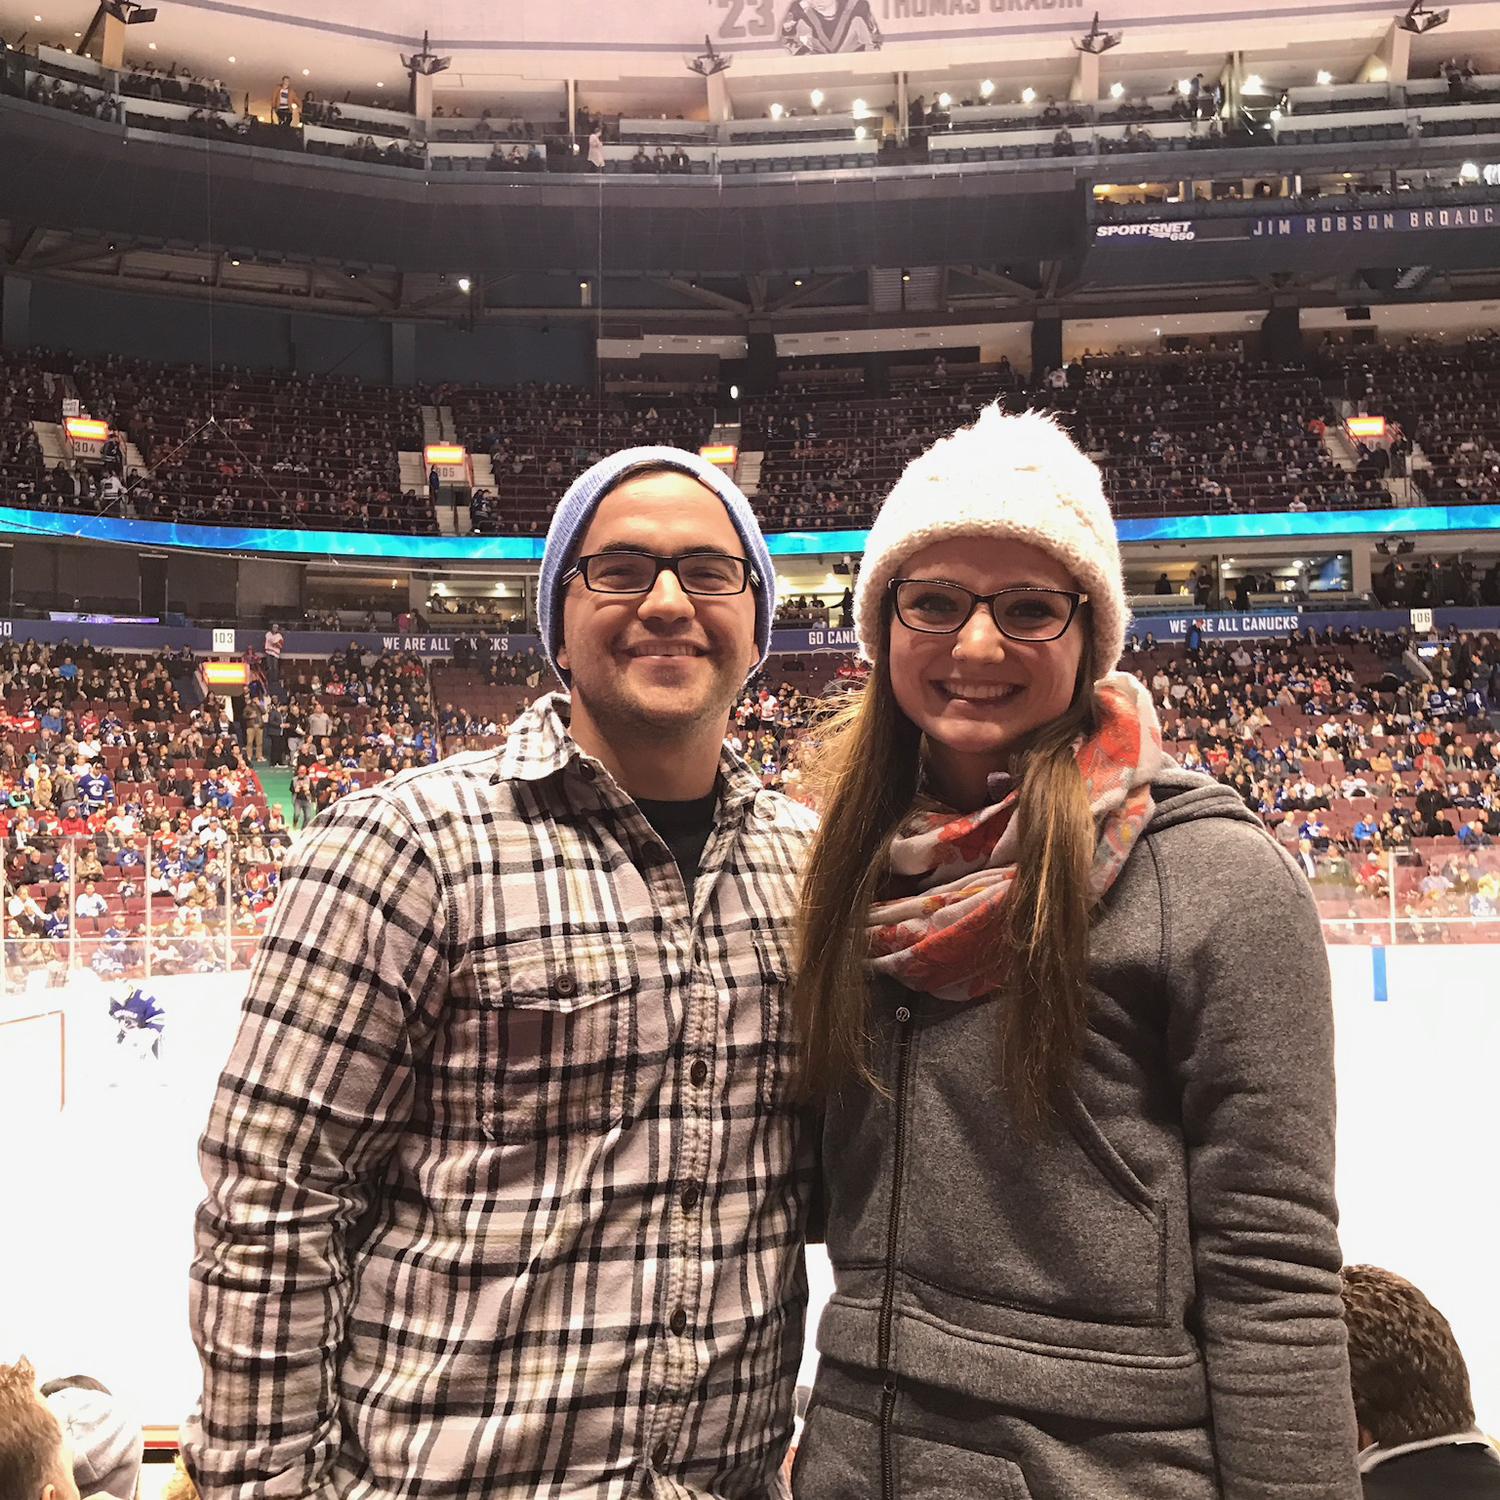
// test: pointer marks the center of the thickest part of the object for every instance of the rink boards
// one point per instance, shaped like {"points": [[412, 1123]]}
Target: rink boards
{"points": [[107, 1186]]}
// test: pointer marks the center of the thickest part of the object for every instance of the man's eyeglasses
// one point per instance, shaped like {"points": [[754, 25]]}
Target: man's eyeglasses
{"points": [[715, 574], [1020, 614]]}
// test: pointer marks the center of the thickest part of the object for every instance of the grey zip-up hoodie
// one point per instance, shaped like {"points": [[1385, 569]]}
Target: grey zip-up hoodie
{"points": [[1146, 1302]]}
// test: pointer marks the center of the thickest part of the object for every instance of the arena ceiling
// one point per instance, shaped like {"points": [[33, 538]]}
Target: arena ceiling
{"points": [[632, 58]]}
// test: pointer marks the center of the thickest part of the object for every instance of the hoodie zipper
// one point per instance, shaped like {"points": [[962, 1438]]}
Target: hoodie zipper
{"points": [[888, 1292]]}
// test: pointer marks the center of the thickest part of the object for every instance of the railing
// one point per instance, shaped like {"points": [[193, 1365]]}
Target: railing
{"points": [[176, 905], [160, 919], [1439, 892]]}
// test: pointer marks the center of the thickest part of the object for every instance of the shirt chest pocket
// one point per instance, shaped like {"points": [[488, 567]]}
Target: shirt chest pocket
{"points": [[559, 1043], [773, 953]]}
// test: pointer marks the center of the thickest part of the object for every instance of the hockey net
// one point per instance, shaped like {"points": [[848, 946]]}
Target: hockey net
{"points": [[33, 1065]]}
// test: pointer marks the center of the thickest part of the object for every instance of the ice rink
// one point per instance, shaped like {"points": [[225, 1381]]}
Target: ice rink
{"points": [[99, 1198]]}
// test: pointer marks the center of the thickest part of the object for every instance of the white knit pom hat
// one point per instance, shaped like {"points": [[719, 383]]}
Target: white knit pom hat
{"points": [[1020, 477]]}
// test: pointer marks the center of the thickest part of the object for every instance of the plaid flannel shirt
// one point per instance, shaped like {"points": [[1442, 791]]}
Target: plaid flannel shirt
{"points": [[505, 1194]]}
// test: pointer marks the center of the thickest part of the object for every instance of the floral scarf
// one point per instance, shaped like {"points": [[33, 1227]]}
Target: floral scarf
{"points": [[942, 937]]}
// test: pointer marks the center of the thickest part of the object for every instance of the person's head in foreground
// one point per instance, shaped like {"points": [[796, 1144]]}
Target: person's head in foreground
{"points": [[107, 1444], [1410, 1382], [34, 1460], [991, 605], [655, 599]]}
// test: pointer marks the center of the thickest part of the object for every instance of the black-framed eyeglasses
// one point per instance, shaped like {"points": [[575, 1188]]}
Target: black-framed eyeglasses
{"points": [[935, 607], [714, 574]]}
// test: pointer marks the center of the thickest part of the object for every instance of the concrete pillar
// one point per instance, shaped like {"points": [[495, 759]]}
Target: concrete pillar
{"points": [[903, 106], [1046, 343], [1234, 73], [421, 97], [572, 106], [1281, 335], [1361, 555], [15, 312], [112, 43], [720, 106], [1085, 89], [1390, 62], [403, 353]]}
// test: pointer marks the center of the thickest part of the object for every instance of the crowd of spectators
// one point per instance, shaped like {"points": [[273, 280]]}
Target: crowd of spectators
{"points": [[348, 722], [1373, 758], [133, 818], [1196, 432], [804, 610], [1444, 395], [115, 791], [1206, 430], [539, 437], [1363, 758]]}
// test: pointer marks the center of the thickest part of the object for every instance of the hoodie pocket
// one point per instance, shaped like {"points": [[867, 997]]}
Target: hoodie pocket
{"points": [[940, 1471], [1054, 1223]]}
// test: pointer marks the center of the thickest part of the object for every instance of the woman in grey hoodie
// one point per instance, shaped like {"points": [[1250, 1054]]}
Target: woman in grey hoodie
{"points": [[1067, 1009]]}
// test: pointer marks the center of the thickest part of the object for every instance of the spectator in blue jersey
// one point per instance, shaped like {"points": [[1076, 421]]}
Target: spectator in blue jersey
{"points": [[95, 789], [1365, 830]]}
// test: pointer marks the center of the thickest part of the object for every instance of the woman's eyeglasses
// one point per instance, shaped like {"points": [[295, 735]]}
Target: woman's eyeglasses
{"points": [[1020, 614]]}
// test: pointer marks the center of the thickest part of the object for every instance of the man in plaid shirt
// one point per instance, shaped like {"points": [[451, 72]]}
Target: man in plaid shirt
{"points": [[506, 1195]]}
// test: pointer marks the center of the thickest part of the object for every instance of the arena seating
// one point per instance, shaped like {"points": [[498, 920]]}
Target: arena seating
{"points": [[179, 849], [1176, 434], [1184, 434], [540, 437], [282, 450], [1387, 792], [1446, 400]]}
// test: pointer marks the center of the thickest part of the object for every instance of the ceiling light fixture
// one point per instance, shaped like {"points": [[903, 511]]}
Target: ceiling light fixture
{"points": [[1117, 91], [1419, 20], [1028, 96], [1324, 77], [1096, 41], [708, 62], [817, 98], [986, 88]]}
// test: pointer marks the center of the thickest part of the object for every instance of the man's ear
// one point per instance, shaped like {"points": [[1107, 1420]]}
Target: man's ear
{"points": [[562, 657]]}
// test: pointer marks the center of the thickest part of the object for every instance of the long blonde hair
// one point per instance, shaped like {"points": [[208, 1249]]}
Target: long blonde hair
{"points": [[864, 765]]}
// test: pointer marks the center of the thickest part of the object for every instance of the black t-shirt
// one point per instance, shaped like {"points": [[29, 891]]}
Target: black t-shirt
{"points": [[684, 827]]}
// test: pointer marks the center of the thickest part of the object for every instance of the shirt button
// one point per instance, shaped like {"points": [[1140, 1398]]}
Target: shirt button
{"points": [[566, 985], [699, 1071], [659, 1455], [679, 1321], [690, 1197]]}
